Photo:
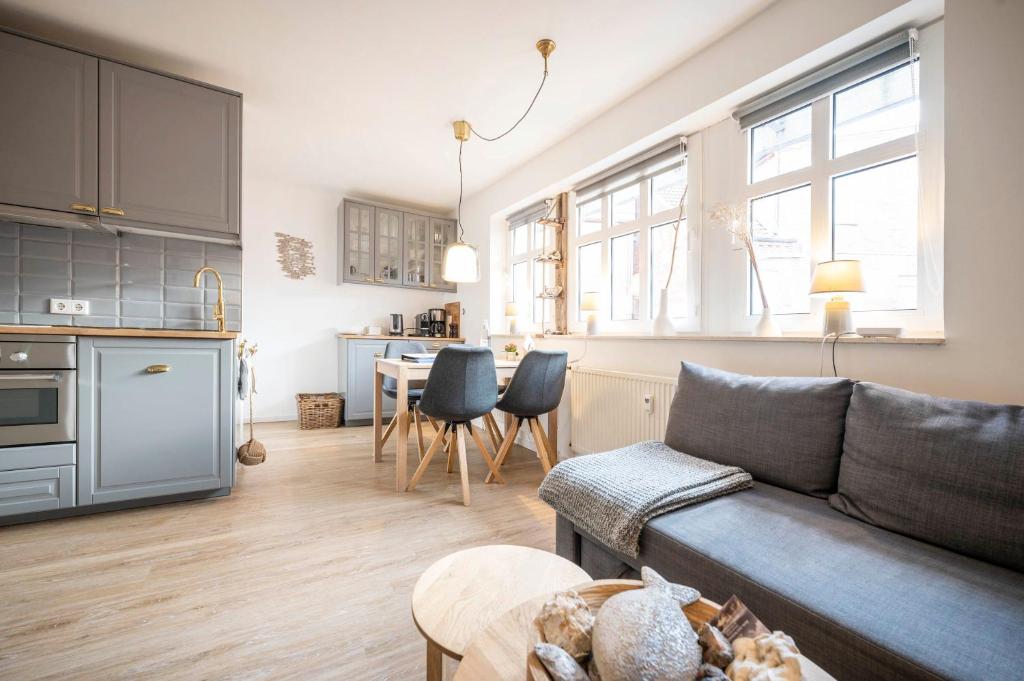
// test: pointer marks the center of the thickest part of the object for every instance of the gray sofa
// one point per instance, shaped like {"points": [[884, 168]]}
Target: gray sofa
{"points": [[885, 530]]}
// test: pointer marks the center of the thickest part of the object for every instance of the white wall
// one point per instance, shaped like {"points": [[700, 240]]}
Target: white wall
{"points": [[984, 237], [295, 322]]}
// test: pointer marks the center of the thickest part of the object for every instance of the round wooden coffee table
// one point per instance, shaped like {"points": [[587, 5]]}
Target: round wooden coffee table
{"points": [[465, 592]]}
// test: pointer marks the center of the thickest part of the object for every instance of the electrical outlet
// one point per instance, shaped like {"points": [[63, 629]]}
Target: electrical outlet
{"points": [[69, 306], [648, 403]]}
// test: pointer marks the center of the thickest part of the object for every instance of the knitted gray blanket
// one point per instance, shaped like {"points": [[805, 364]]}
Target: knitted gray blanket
{"points": [[612, 495]]}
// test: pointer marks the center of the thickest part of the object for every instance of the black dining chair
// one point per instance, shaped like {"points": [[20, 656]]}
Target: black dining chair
{"points": [[535, 389], [394, 350], [462, 386]]}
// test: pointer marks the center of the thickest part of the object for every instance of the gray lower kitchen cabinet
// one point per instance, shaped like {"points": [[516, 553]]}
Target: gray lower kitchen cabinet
{"points": [[154, 417], [48, 140], [356, 364], [36, 478], [37, 489], [387, 246], [169, 152]]}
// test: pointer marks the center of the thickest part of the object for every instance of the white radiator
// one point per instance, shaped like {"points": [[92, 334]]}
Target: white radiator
{"points": [[612, 409]]}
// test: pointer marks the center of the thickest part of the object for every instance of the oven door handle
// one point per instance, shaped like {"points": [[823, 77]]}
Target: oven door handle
{"points": [[30, 377]]}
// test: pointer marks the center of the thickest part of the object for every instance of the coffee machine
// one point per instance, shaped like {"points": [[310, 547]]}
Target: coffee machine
{"points": [[438, 322], [423, 324], [396, 324]]}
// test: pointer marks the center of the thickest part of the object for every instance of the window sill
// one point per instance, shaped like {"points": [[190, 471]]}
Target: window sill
{"points": [[902, 340]]}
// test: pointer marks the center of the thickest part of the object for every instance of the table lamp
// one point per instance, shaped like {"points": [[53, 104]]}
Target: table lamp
{"points": [[591, 302], [512, 311], [837, 277]]}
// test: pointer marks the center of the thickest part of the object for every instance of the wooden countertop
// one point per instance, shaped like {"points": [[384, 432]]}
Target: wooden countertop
{"points": [[124, 333], [351, 336]]}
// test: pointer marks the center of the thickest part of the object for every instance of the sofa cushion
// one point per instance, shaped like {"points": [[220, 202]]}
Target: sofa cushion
{"points": [[949, 472], [785, 431], [862, 602]]}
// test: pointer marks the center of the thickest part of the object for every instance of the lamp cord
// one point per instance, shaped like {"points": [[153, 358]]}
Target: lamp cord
{"points": [[458, 219], [525, 113]]}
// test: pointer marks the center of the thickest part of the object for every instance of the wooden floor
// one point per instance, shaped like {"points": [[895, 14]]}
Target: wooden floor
{"points": [[304, 572]]}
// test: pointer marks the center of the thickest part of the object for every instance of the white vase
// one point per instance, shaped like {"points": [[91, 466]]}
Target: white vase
{"points": [[663, 323], [767, 326]]}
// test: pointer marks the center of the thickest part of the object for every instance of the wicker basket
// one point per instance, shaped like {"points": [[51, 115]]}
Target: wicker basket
{"points": [[319, 410]]}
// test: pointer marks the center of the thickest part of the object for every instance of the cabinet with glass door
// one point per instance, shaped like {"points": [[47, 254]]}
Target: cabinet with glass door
{"points": [[442, 233], [416, 258]]}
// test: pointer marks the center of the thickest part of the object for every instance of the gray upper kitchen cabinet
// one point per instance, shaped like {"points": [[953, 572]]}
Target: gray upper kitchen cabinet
{"points": [[169, 152], [442, 233], [355, 243], [388, 252], [154, 417], [415, 250], [48, 133]]}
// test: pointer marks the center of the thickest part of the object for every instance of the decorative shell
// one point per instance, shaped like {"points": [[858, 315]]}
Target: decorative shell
{"points": [[561, 665], [643, 634], [769, 657], [566, 621]]}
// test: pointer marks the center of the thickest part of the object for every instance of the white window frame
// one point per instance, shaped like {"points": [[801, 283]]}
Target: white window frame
{"points": [[819, 175], [643, 224]]}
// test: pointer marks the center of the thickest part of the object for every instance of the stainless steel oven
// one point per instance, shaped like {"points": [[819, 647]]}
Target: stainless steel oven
{"points": [[37, 389]]}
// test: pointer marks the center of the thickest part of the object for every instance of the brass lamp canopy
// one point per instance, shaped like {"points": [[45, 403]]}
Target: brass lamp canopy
{"points": [[461, 129], [545, 46]]}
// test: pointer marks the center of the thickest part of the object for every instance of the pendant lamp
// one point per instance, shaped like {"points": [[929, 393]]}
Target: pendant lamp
{"points": [[461, 261]]}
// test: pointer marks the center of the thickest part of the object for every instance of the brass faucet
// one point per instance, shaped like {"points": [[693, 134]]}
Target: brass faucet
{"points": [[218, 309]]}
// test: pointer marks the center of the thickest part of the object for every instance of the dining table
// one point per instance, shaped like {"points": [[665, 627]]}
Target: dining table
{"points": [[404, 372]]}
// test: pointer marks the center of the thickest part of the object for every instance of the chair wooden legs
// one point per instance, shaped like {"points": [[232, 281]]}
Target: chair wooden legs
{"points": [[539, 438], [435, 444], [460, 441], [492, 431], [415, 412], [419, 431], [451, 449], [506, 445], [542, 444], [487, 456]]}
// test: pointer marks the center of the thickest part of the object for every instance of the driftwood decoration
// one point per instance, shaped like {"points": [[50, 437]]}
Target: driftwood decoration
{"points": [[295, 255]]}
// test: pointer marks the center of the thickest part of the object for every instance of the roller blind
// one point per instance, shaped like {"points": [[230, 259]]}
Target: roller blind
{"points": [[644, 164], [865, 62], [528, 214]]}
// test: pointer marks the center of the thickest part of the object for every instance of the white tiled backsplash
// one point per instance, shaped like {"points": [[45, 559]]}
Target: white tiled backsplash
{"points": [[129, 281]]}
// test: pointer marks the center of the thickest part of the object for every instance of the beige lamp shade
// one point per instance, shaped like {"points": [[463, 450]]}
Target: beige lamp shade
{"points": [[590, 302], [511, 309], [838, 276]]}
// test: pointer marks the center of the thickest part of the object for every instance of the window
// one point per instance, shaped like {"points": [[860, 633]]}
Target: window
{"points": [[520, 285], [865, 192], [877, 110], [667, 188], [780, 226], [626, 205], [781, 145], [528, 240], [662, 237], [590, 217], [520, 234], [588, 274], [874, 218], [622, 244], [626, 277]]}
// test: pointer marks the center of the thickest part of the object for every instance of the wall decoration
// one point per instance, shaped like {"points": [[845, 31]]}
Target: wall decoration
{"points": [[295, 256]]}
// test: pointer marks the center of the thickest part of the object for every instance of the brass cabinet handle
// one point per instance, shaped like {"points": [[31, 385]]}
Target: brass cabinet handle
{"points": [[83, 207], [112, 211], [158, 368]]}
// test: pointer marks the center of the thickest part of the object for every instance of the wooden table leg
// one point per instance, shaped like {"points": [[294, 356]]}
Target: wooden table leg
{"points": [[435, 663], [553, 436], [402, 410], [378, 407]]}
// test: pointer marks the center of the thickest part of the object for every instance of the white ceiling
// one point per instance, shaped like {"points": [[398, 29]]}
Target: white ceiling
{"points": [[358, 95]]}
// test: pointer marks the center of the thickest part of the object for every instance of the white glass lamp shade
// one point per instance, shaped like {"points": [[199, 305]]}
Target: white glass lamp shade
{"points": [[838, 276], [590, 302], [461, 263]]}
